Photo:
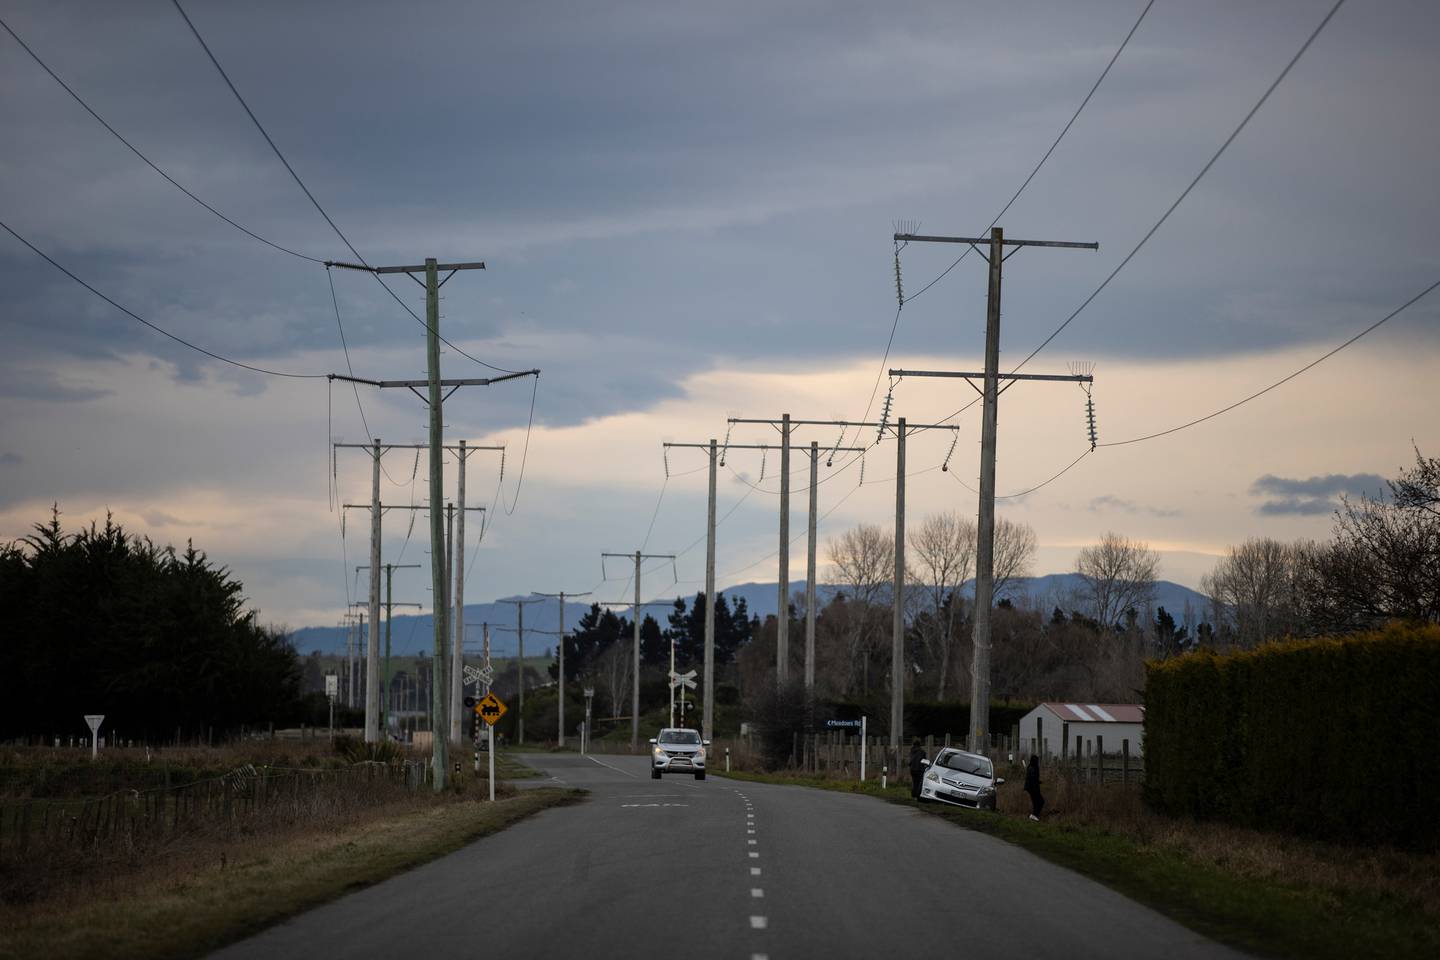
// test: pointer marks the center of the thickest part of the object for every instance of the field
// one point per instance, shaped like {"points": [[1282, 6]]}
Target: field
{"points": [[178, 855]]}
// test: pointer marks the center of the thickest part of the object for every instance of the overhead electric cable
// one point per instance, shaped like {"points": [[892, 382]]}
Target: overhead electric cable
{"points": [[525, 451], [148, 162], [894, 325], [158, 329], [1066, 129], [1283, 380], [1186, 192], [316, 203]]}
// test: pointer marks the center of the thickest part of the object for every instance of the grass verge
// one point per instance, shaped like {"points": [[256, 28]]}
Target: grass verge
{"points": [[252, 885], [1224, 891], [509, 766]]}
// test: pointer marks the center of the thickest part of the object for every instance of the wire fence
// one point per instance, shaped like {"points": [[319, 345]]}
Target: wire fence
{"points": [[245, 799]]}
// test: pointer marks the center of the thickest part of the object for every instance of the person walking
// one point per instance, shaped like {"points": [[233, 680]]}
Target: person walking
{"points": [[1032, 787], [917, 767]]}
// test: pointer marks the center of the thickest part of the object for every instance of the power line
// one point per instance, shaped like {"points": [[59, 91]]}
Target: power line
{"points": [[1186, 192], [1008, 204], [160, 330], [1226, 409], [1075, 116], [1286, 379], [148, 162], [1025, 493], [316, 203], [525, 451]]}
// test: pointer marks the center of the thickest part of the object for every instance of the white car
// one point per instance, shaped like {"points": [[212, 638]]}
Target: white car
{"points": [[678, 750], [964, 779]]}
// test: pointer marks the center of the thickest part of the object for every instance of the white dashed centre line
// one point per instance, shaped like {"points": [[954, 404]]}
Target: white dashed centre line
{"points": [[758, 923], [754, 871], [751, 842], [756, 892], [759, 956], [754, 855]]}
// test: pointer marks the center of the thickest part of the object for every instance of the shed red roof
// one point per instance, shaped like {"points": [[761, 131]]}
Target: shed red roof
{"points": [[1098, 712]]}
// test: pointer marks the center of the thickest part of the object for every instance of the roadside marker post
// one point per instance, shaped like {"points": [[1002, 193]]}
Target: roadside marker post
{"points": [[864, 749], [94, 720], [490, 709]]}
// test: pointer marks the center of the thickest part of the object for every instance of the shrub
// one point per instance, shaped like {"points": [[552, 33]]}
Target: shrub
{"points": [[1333, 737]]}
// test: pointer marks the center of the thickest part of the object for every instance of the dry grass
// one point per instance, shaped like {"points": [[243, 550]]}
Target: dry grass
{"points": [[1253, 853], [210, 890]]}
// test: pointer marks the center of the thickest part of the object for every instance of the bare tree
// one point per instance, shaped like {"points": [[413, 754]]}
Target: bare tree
{"points": [[613, 668], [1385, 560], [1256, 589], [863, 561], [1014, 553], [1118, 575], [944, 547]]}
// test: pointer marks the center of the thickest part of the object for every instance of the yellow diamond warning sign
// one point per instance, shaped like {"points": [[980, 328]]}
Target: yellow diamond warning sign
{"points": [[490, 708]]}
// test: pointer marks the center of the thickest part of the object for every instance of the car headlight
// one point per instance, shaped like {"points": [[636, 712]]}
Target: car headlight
{"points": [[932, 776], [659, 753], [700, 754], [986, 791]]}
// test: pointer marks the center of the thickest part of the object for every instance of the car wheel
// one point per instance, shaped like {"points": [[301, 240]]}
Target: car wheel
{"points": [[654, 773], [700, 775]]}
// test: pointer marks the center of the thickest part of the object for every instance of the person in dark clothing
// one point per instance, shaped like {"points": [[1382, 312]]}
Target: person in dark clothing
{"points": [[1032, 787], [917, 767]]}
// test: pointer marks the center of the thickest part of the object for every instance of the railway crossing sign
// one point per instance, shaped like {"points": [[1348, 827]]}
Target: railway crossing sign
{"points": [[490, 708], [686, 680]]}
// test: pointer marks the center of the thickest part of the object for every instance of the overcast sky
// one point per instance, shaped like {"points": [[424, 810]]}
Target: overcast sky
{"points": [[686, 213]]}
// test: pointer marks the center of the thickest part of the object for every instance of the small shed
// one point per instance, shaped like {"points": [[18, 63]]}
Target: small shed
{"points": [[1068, 729]]}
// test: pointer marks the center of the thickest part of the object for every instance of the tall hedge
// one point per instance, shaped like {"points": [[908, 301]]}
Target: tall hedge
{"points": [[1336, 738]]}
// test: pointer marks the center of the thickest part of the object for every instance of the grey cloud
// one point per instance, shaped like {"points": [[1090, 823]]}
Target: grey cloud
{"points": [[35, 383], [159, 518], [10, 459], [1110, 502], [1312, 496]]}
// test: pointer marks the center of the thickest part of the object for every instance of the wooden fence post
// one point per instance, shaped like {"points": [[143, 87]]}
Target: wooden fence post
{"points": [[1064, 740], [1099, 759], [1125, 761]]}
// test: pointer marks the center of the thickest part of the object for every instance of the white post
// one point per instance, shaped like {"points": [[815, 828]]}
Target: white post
{"points": [[94, 721], [864, 748], [672, 681], [492, 762]]}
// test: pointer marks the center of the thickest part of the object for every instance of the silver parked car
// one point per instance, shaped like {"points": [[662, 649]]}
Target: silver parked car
{"points": [[678, 750], [964, 779]]}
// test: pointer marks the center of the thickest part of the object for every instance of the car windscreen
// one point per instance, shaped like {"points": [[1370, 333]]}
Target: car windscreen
{"points": [[977, 766], [679, 736]]}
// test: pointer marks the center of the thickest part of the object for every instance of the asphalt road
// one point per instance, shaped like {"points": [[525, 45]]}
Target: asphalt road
{"points": [[676, 868]]}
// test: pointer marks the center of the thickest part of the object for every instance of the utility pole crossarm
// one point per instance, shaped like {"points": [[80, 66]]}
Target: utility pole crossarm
{"points": [[419, 446], [841, 423], [451, 267], [920, 238], [980, 375], [447, 382]]}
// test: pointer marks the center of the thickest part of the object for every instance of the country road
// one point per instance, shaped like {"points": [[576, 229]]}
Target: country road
{"points": [[727, 869]]}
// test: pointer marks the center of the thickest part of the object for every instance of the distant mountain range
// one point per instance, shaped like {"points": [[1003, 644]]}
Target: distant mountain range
{"points": [[411, 635]]}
